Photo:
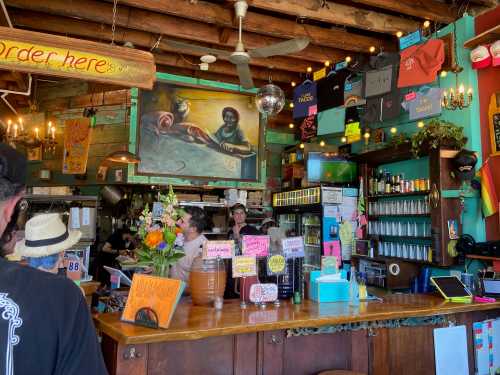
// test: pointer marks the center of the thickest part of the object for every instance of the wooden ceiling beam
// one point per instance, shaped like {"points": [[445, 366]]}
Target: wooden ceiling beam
{"points": [[261, 24], [426, 9], [95, 31], [162, 24], [339, 14]]}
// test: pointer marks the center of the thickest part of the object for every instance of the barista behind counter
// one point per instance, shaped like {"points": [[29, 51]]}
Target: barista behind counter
{"points": [[239, 229], [119, 243]]}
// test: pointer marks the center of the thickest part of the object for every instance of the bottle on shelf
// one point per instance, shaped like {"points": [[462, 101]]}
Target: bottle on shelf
{"points": [[353, 289]]}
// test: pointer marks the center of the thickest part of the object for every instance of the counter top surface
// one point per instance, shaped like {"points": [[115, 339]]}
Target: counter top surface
{"points": [[195, 322]]}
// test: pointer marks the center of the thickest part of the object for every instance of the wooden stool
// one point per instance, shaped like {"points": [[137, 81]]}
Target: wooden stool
{"points": [[340, 372]]}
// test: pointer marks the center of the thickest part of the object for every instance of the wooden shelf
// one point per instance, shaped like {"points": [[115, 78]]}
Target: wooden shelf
{"points": [[68, 198], [378, 236], [482, 257], [395, 216], [385, 155], [486, 37], [384, 259], [394, 195]]}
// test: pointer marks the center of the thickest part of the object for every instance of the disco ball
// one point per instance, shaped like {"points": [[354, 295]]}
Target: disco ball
{"points": [[270, 99]]}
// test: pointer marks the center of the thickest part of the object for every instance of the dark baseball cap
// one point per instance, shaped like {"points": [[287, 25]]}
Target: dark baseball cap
{"points": [[12, 166], [465, 162]]}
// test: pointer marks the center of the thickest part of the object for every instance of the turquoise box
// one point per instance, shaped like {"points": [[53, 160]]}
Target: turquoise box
{"points": [[328, 291]]}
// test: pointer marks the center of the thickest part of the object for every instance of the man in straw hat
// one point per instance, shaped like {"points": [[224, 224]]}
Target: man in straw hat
{"points": [[45, 325]]}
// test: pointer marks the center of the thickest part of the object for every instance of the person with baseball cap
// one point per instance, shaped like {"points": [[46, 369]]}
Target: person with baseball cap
{"points": [[47, 328]]}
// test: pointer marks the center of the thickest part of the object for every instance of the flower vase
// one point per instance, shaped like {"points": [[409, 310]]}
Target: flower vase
{"points": [[160, 270]]}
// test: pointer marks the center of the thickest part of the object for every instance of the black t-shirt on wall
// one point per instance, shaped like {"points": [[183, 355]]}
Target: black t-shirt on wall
{"points": [[45, 325]]}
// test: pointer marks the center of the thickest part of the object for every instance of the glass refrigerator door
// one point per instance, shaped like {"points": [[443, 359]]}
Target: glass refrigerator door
{"points": [[288, 222], [311, 231]]}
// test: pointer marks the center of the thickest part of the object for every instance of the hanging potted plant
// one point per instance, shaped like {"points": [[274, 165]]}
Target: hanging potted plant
{"points": [[437, 134], [161, 239]]}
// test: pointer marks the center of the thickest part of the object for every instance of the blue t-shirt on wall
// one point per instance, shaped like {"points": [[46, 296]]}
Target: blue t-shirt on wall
{"points": [[427, 103], [305, 100]]}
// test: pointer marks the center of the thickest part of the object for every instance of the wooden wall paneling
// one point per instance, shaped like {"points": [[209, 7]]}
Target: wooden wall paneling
{"points": [[209, 356], [315, 353], [245, 354], [271, 353], [379, 351], [360, 351], [62, 89], [125, 359]]}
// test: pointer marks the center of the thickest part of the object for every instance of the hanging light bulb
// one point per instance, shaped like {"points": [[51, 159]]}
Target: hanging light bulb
{"points": [[348, 59], [399, 34], [443, 73], [372, 49], [343, 139], [394, 130], [420, 124], [291, 125], [301, 145], [366, 135], [327, 63], [309, 69], [427, 23], [294, 84], [322, 143]]}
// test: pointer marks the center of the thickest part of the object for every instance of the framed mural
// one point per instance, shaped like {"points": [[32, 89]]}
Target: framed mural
{"points": [[192, 132]]}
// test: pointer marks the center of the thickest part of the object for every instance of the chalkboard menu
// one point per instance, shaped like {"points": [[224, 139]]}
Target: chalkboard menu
{"points": [[494, 119]]}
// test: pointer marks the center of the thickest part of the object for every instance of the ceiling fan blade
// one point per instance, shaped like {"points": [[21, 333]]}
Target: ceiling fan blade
{"points": [[245, 76], [283, 48], [195, 48]]}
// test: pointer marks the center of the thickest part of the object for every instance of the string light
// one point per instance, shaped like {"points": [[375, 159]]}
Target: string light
{"points": [[399, 34], [291, 105], [427, 23], [420, 124], [327, 63], [309, 69], [366, 135], [348, 59], [301, 145], [322, 143], [443, 73], [291, 125], [394, 130], [343, 139], [372, 49], [294, 84]]}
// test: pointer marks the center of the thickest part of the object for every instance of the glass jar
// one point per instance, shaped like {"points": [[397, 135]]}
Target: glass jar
{"points": [[207, 280]]}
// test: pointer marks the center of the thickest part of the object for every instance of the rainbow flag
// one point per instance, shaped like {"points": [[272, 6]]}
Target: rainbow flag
{"points": [[488, 194]]}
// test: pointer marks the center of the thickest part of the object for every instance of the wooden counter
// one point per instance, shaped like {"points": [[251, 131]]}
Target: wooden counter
{"points": [[254, 341]]}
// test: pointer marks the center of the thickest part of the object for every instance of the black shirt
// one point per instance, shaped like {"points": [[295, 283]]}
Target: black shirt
{"points": [[118, 243], [331, 90], [46, 325]]}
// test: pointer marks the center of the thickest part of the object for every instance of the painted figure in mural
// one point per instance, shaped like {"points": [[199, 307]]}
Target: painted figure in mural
{"points": [[230, 136]]}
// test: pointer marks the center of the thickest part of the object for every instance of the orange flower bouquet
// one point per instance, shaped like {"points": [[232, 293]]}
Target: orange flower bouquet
{"points": [[161, 239]]}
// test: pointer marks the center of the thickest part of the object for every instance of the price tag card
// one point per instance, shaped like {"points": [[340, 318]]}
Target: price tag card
{"points": [[293, 247], [318, 74], [409, 40], [244, 266], [329, 264], [73, 269], [260, 293], [276, 265], [218, 249], [257, 246]]}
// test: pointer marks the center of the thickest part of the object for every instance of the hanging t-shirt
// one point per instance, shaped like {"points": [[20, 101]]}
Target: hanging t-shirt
{"points": [[420, 63], [308, 127], [382, 108], [383, 76], [427, 103], [331, 121], [46, 327], [305, 99], [331, 89]]}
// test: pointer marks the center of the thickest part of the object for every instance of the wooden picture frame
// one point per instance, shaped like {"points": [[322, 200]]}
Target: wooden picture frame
{"points": [[180, 131], [449, 52], [494, 123], [34, 153]]}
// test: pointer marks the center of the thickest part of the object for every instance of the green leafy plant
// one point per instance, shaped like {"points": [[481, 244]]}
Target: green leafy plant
{"points": [[436, 134], [161, 239]]}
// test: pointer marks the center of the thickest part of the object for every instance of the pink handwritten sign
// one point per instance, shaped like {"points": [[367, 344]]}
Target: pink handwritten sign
{"points": [[218, 249], [332, 248], [257, 246]]}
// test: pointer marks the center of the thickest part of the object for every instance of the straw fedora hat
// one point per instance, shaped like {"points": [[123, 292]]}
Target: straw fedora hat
{"points": [[45, 235]]}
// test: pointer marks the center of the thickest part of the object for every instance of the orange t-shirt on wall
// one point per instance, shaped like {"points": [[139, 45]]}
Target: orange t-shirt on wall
{"points": [[420, 63]]}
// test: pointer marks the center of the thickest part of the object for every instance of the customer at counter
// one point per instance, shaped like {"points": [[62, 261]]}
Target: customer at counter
{"points": [[48, 329], [192, 224]]}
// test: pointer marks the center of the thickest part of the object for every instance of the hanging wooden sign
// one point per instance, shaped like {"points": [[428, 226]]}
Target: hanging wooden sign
{"points": [[494, 122], [76, 145], [32, 52]]}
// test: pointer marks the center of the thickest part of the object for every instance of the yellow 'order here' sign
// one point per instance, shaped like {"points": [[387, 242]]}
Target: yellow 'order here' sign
{"points": [[31, 52]]}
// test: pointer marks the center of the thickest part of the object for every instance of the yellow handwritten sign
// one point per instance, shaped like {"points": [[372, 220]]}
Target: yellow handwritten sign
{"points": [[76, 145], [244, 266], [276, 265], [32, 52], [318, 74]]}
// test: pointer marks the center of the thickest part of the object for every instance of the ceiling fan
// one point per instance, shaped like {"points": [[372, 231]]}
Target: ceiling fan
{"points": [[241, 57]]}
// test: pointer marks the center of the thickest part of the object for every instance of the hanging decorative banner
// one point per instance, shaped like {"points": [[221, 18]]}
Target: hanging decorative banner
{"points": [[276, 265], [218, 249], [257, 246], [409, 40], [262, 293], [293, 247], [31, 52], [244, 266], [76, 145]]}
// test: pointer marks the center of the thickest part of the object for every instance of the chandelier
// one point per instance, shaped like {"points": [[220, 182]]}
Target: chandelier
{"points": [[457, 98], [17, 134]]}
